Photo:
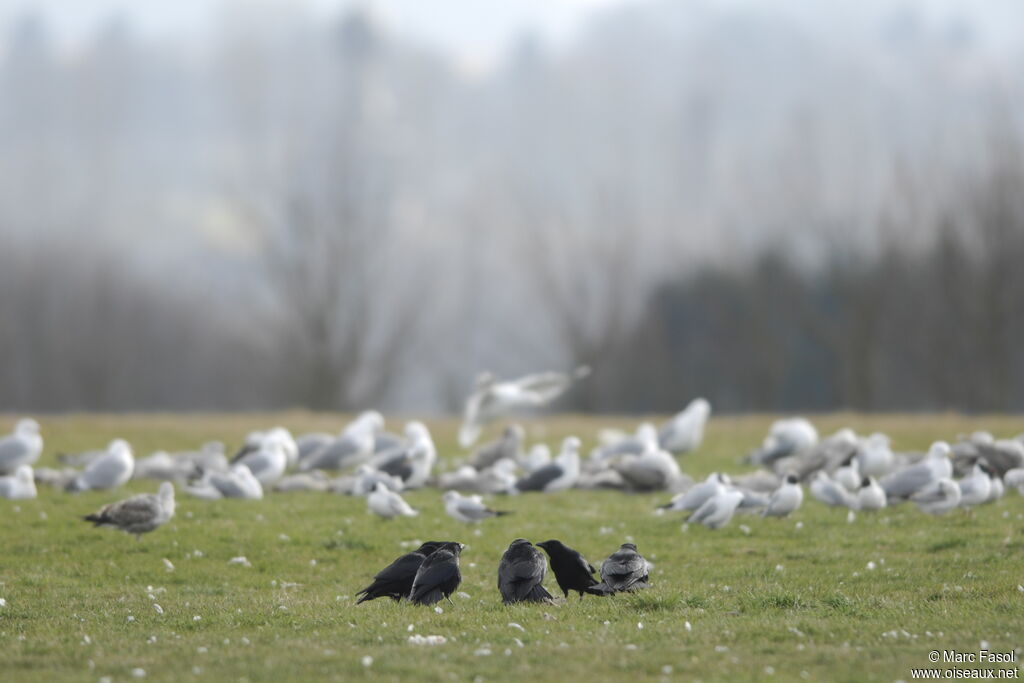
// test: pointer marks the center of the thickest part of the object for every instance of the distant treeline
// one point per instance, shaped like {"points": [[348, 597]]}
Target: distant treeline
{"points": [[933, 327]]}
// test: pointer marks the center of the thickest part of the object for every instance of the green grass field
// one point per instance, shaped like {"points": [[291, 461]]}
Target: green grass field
{"points": [[759, 599]]}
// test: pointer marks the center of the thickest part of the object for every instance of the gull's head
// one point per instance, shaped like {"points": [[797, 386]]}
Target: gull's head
{"points": [[699, 406], [166, 491], [372, 420], [26, 426], [379, 487], [939, 450], [451, 496], [23, 473], [485, 379], [416, 430], [515, 431], [647, 433], [845, 436], [120, 447], [571, 445], [628, 546]]}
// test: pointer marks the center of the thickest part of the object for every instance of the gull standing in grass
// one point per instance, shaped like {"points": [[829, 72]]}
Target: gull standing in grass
{"points": [[507, 446], [22, 447], [906, 482], [237, 482], [139, 514], [521, 574], [938, 497], [717, 511], [468, 509], [698, 494], [870, 496], [560, 475], [830, 493], [353, 446], [268, 461], [685, 432], [385, 503], [109, 471], [493, 398], [786, 499], [624, 570], [18, 486], [785, 437], [976, 487]]}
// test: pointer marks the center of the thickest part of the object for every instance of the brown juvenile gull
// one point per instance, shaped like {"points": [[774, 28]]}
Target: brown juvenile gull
{"points": [[138, 514]]}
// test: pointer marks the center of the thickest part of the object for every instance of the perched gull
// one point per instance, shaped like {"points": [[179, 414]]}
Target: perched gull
{"points": [[109, 471], [1015, 479], [559, 475], [786, 499], [975, 488], [785, 437], [848, 476], [18, 486], [21, 447], [652, 470], [493, 398], [162, 466], [412, 463], [830, 493], [521, 574], [468, 509], [255, 441], [237, 482], [301, 481], [269, 461], [499, 478], [938, 496], [538, 456], [698, 494], [685, 432], [138, 514], [717, 511], [385, 503], [871, 496], [615, 443], [624, 570], [353, 446], [311, 442], [508, 446], [438, 576], [904, 483], [874, 456], [367, 478]]}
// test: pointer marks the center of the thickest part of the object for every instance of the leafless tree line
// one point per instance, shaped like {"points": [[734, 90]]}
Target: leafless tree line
{"points": [[326, 215], [937, 327]]}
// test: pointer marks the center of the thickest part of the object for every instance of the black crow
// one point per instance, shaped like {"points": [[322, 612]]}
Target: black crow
{"points": [[521, 572], [624, 570], [438, 576], [395, 580], [572, 571]]}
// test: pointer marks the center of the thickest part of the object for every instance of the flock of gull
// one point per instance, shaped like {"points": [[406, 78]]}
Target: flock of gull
{"points": [[860, 473]]}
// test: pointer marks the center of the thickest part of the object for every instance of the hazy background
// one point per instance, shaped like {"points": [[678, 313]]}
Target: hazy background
{"points": [[241, 205]]}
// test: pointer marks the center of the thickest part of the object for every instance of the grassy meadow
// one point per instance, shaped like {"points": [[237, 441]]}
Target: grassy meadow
{"points": [[814, 596]]}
